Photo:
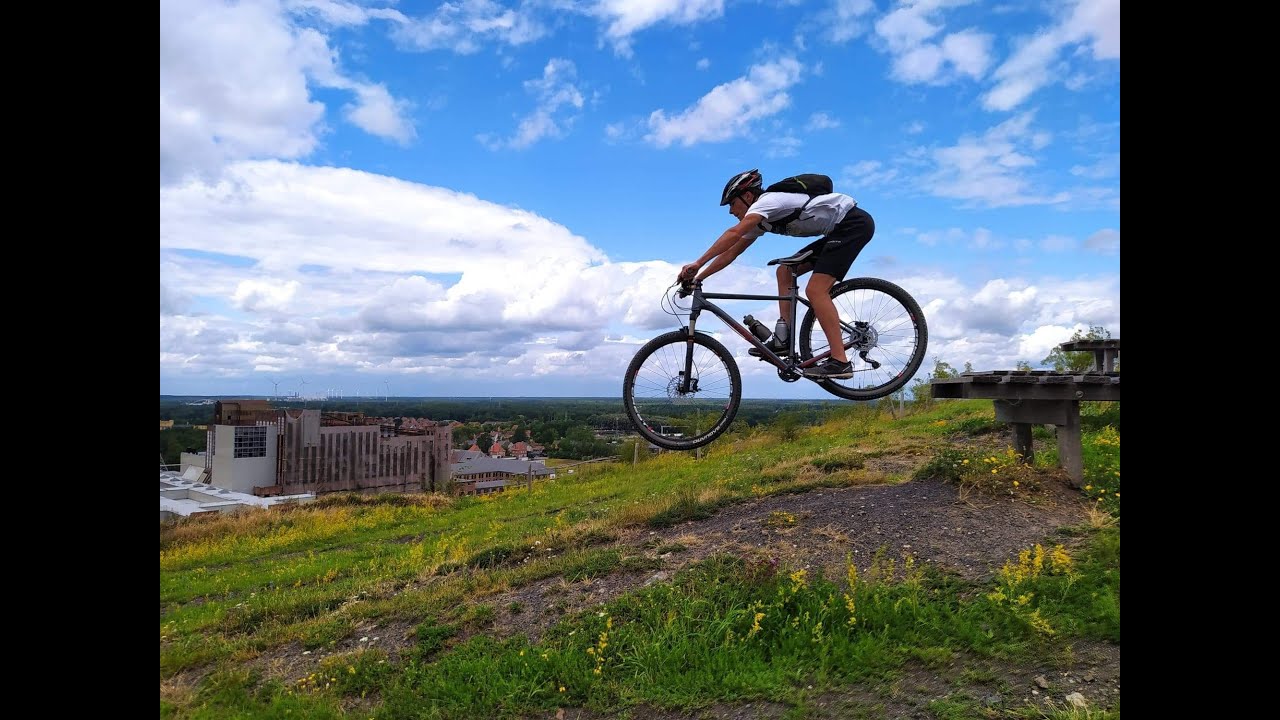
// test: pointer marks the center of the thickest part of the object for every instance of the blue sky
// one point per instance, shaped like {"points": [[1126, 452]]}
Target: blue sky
{"points": [[481, 198]]}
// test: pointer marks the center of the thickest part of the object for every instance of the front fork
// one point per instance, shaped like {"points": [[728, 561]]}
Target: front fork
{"points": [[688, 383]]}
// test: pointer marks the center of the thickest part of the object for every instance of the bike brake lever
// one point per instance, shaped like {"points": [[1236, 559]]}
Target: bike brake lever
{"points": [[686, 288]]}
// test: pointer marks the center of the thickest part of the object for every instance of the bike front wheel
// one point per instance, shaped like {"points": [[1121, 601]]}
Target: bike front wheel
{"points": [[671, 412], [885, 337]]}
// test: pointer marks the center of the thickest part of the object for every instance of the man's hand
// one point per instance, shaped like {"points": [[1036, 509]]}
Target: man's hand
{"points": [[688, 272]]}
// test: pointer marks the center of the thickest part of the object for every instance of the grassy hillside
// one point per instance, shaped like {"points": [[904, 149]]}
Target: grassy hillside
{"points": [[598, 593]]}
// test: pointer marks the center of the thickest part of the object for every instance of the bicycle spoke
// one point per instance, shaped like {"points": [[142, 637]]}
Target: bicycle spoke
{"points": [[874, 319], [675, 411]]}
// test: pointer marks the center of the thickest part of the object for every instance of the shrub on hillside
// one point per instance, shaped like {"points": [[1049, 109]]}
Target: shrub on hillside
{"points": [[998, 473]]}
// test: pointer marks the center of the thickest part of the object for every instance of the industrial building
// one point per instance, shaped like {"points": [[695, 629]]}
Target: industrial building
{"points": [[255, 448]]}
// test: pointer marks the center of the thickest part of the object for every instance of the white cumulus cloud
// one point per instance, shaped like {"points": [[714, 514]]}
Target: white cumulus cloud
{"points": [[624, 18], [1037, 60], [912, 34], [237, 80], [728, 110], [557, 96]]}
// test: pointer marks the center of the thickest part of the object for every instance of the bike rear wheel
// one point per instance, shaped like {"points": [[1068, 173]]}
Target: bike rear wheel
{"points": [[675, 417], [879, 320]]}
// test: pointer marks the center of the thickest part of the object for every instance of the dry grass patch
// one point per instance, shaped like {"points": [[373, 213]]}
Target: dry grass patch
{"points": [[831, 533]]}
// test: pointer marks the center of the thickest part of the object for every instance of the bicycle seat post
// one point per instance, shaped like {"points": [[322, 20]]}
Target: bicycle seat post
{"points": [[791, 321]]}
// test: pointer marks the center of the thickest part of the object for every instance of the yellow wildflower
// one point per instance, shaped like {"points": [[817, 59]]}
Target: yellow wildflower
{"points": [[1059, 560]]}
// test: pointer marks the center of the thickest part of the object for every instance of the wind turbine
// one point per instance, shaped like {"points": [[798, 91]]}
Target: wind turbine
{"points": [[276, 392], [387, 394]]}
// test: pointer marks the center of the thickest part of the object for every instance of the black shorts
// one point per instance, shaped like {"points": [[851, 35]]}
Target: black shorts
{"points": [[837, 250]]}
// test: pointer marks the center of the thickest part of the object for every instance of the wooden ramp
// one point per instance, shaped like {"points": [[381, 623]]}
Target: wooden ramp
{"points": [[1042, 397]]}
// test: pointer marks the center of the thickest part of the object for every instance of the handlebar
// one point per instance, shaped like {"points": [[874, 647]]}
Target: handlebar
{"points": [[687, 286]]}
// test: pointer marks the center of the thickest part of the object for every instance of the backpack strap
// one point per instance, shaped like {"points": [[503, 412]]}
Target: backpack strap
{"points": [[781, 223]]}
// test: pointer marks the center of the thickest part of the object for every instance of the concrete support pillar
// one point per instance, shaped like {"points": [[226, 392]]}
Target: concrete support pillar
{"points": [[1070, 448], [1065, 414], [1022, 442]]}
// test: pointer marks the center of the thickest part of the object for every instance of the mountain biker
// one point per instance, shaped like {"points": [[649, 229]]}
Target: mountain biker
{"points": [[844, 228]]}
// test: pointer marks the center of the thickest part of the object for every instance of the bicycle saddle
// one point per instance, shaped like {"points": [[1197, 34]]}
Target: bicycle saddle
{"points": [[793, 260]]}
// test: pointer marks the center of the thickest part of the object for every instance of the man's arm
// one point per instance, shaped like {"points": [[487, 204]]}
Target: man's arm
{"points": [[725, 249]]}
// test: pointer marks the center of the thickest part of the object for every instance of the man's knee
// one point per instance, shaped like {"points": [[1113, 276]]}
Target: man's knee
{"points": [[820, 284]]}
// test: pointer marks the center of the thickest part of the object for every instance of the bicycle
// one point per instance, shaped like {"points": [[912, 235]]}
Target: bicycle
{"points": [[686, 384]]}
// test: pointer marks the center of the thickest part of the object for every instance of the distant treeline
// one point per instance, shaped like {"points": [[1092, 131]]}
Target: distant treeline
{"points": [[179, 440], [593, 412], [567, 426]]}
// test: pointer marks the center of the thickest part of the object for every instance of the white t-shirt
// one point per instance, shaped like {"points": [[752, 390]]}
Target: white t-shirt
{"points": [[819, 218]]}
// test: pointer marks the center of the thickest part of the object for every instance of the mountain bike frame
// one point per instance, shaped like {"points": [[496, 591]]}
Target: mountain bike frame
{"points": [[788, 368]]}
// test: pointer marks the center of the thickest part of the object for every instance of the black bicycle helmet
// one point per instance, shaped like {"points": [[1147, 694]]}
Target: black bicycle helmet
{"points": [[739, 184]]}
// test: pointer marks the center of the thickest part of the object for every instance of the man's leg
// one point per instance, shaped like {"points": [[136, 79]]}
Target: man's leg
{"points": [[839, 250], [785, 280], [819, 292]]}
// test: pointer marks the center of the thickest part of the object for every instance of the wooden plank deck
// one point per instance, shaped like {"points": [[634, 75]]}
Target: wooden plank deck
{"points": [[1033, 385], [1032, 397]]}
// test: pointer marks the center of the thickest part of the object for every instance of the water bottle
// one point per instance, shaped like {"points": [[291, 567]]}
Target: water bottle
{"points": [[757, 328], [780, 331]]}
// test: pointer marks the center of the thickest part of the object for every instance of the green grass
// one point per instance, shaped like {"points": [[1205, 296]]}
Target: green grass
{"points": [[1101, 450], [234, 588], [720, 633]]}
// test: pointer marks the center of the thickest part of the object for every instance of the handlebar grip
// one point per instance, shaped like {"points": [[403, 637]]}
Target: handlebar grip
{"points": [[686, 287]]}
